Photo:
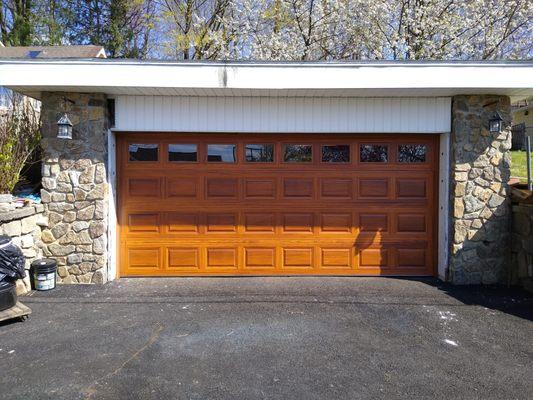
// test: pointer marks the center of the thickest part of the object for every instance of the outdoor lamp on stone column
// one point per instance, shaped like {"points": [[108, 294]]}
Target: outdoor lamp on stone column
{"points": [[64, 127], [495, 123]]}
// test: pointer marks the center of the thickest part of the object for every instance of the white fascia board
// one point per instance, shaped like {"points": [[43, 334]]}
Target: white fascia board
{"points": [[112, 74], [385, 77], [102, 74]]}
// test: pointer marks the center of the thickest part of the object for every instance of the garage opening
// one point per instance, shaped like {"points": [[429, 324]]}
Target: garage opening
{"points": [[277, 204]]}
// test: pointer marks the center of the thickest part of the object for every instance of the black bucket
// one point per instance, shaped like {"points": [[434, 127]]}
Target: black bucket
{"points": [[8, 295], [44, 274]]}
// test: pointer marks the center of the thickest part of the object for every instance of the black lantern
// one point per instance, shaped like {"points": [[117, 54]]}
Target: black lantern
{"points": [[64, 127], [495, 123]]}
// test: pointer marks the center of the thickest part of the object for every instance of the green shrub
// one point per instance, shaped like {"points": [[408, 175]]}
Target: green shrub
{"points": [[20, 133]]}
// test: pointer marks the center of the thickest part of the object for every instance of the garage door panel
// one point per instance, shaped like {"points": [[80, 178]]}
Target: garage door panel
{"points": [[144, 258], [183, 258], [184, 222], [336, 258], [339, 222], [411, 222], [372, 188], [340, 216], [144, 223], [259, 222], [298, 188], [221, 222], [298, 222], [411, 188], [181, 187], [260, 188], [298, 257], [374, 257], [144, 188], [222, 188], [411, 258], [336, 188], [373, 222], [260, 257], [222, 258]]}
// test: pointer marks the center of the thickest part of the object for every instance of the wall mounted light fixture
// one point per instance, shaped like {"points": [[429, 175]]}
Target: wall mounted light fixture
{"points": [[495, 123], [64, 125]]}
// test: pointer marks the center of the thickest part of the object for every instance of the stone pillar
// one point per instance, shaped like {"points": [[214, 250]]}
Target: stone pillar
{"points": [[75, 189], [480, 170]]}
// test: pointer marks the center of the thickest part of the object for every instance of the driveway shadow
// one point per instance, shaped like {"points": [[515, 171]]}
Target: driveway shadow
{"points": [[513, 300]]}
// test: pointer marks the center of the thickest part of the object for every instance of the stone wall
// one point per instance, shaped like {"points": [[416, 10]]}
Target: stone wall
{"points": [[75, 190], [480, 208], [522, 244], [23, 226]]}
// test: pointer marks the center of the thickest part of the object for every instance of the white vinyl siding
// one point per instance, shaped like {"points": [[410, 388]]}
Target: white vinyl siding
{"points": [[283, 114]]}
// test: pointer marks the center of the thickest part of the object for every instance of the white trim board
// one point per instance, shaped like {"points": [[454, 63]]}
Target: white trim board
{"points": [[223, 78], [112, 220], [443, 238], [276, 114]]}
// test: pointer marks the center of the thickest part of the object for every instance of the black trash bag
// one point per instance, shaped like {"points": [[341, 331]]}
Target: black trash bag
{"points": [[12, 260]]}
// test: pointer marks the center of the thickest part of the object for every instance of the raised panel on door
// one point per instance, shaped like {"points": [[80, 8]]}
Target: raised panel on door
{"points": [[139, 223], [336, 188], [142, 260], [373, 188], [260, 188], [336, 258], [143, 188], [182, 188], [222, 258], [260, 257], [298, 188], [183, 259], [183, 222]]}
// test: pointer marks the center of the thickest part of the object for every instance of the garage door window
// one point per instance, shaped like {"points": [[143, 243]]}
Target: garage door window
{"points": [[336, 154], [259, 152], [412, 153], [298, 153], [183, 152], [373, 153], [143, 152], [222, 153]]}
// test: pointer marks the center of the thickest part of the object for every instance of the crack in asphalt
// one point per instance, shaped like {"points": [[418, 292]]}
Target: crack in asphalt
{"points": [[91, 389]]}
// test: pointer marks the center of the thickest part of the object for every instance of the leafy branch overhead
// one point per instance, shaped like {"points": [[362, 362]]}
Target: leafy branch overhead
{"points": [[278, 29]]}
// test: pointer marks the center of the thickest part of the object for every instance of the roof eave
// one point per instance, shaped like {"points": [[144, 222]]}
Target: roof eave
{"points": [[416, 79]]}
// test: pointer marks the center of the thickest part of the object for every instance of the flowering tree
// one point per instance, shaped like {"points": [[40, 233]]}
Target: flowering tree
{"points": [[454, 29], [279, 29], [390, 29]]}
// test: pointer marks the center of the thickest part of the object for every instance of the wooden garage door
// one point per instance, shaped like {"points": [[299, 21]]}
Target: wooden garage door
{"points": [[228, 204]]}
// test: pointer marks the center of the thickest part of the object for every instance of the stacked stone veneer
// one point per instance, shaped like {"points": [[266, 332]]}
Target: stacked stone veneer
{"points": [[23, 226], [480, 170], [75, 190]]}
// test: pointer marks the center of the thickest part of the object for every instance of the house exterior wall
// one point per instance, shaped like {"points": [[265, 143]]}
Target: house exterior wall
{"points": [[76, 192], [282, 114], [75, 188], [523, 116], [480, 207]]}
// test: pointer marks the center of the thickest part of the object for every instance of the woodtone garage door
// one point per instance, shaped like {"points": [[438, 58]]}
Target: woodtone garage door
{"points": [[228, 204]]}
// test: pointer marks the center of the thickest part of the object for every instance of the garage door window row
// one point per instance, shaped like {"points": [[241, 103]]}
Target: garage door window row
{"points": [[264, 153]]}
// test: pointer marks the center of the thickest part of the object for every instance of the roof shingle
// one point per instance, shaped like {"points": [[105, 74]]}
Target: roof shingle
{"points": [[40, 52]]}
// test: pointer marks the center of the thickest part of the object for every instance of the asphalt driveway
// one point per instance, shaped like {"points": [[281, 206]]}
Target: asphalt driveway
{"points": [[270, 338]]}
